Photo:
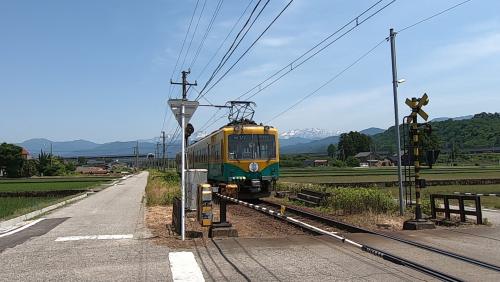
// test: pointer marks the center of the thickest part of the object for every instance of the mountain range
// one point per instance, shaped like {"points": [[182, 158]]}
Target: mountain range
{"points": [[301, 141], [308, 140]]}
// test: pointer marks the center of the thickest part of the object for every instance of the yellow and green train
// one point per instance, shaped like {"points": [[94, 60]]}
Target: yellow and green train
{"points": [[245, 155]]}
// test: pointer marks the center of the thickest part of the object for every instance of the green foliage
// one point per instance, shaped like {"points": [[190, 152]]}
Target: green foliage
{"points": [[11, 159], [352, 143], [352, 161], [29, 168], [162, 187], [359, 200], [49, 165], [348, 200], [332, 151], [81, 161], [482, 131]]}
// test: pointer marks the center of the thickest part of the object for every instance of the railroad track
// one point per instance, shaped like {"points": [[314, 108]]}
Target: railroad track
{"points": [[328, 226], [355, 229]]}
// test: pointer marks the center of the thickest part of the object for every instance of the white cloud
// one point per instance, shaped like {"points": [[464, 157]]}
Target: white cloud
{"points": [[259, 70], [463, 53]]}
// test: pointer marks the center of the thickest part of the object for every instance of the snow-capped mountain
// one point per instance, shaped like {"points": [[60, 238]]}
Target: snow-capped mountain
{"points": [[198, 135], [308, 133]]}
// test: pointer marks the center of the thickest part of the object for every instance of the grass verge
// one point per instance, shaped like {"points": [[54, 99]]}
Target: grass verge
{"points": [[11, 207], [162, 187], [46, 186]]}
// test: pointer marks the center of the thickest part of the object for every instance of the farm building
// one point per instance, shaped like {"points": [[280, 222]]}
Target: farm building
{"points": [[368, 158], [315, 163]]}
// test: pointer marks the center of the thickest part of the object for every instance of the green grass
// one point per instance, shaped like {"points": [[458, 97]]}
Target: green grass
{"points": [[486, 201], [162, 187], [340, 175], [46, 186], [15, 206], [52, 179]]}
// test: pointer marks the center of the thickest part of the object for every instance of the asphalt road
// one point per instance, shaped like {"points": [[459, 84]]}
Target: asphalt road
{"points": [[103, 238], [34, 254]]}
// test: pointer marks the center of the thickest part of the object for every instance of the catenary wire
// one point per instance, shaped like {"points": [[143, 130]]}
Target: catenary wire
{"points": [[329, 80], [182, 47], [225, 39], [194, 32], [237, 40], [292, 66], [207, 31], [249, 48]]}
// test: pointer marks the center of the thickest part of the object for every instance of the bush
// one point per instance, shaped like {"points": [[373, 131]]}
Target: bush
{"points": [[348, 200], [352, 162], [358, 200], [162, 187]]}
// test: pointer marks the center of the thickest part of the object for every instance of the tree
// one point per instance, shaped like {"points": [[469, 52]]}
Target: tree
{"points": [[82, 161], [11, 159], [352, 143], [29, 168], [352, 161], [332, 151]]}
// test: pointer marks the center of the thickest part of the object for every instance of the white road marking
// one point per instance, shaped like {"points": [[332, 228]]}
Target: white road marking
{"points": [[22, 228], [184, 267], [95, 237]]}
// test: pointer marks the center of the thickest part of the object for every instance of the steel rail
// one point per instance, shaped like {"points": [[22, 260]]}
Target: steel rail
{"points": [[371, 250], [356, 229]]}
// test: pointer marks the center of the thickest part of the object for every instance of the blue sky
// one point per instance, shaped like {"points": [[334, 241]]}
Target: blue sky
{"points": [[100, 70]]}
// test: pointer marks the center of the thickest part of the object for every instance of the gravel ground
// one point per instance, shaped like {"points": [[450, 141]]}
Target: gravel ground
{"points": [[249, 223]]}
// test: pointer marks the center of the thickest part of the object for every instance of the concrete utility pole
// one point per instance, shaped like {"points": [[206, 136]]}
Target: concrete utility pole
{"points": [[157, 158], [392, 36], [137, 156], [164, 148], [184, 84]]}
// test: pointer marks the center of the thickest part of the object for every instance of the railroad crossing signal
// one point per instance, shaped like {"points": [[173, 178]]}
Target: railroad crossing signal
{"points": [[416, 105]]}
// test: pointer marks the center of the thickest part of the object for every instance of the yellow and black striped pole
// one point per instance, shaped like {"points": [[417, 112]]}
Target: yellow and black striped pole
{"points": [[416, 156]]}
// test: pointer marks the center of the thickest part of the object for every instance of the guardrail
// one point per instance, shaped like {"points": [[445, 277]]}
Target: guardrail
{"points": [[461, 211]]}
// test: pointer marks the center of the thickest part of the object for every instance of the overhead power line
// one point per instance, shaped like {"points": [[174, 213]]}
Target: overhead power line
{"points": [[433, 16], [207, 31], [329, 80], [182, 47], [316, 49], [194, 33], [361, 58], [236, 42], [248, 49], [225, 39]]}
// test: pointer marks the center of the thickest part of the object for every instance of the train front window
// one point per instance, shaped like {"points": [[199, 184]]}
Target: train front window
{"points": [[251, 146]]}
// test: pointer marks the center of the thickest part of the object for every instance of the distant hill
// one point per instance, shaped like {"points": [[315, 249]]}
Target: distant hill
{"points": [[372, 131], [455, 118], [89, 149], [316, 146], [480, 131], [293, 141]]}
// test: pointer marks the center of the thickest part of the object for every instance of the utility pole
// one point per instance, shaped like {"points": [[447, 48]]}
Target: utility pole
{"points": [[137, 156], [163, 154], [392, 36], [157, 158], [184, 84]]}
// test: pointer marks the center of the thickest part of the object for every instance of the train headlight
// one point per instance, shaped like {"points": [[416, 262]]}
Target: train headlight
{"points": [[253, 167]]}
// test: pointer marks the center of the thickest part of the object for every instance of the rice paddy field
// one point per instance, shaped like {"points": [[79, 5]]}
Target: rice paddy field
{"points": [[346, 175], [12, 206], [332, 175]]}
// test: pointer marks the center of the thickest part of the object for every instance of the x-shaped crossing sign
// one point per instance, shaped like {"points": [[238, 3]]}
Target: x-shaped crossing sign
{"points": [[420, 102]]}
